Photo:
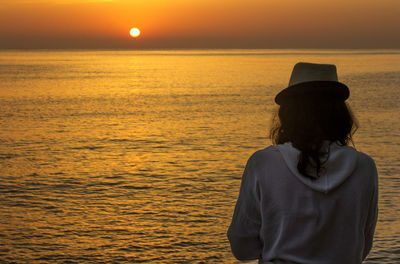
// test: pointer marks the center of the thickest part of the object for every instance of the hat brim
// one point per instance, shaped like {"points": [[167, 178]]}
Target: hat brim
{"points": [[323, 89]]}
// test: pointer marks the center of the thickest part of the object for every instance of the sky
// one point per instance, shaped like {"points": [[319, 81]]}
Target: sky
{"points": [[174, 24]]}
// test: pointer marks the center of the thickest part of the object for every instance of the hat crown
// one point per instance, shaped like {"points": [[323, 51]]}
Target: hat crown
{"points": [[309, 72], [309, 79]]}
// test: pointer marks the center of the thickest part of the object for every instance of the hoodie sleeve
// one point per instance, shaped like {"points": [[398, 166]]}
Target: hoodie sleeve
{"points": [[372, 215], [243, 233]]}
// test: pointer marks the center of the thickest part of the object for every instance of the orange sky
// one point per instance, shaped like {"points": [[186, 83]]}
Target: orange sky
{"points": [[200, 23]]}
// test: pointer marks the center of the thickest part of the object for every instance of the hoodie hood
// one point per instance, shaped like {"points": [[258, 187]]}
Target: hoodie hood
{"points": [[341, 163]]}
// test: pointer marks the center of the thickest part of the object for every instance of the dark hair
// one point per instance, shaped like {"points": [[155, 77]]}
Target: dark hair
{"points": [[308, 122]]}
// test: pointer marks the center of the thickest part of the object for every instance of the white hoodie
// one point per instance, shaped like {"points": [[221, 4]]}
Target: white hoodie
{"points": [[282, 216]]}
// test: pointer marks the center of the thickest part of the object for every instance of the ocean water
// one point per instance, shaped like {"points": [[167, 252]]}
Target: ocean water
{"points": [[137, 156]]}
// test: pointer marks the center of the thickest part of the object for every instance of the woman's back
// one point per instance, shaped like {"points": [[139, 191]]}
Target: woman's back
{"points": [[301, 220]]}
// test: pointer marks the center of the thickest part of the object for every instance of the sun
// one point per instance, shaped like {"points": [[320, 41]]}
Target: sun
{"points": [[134, 32]]}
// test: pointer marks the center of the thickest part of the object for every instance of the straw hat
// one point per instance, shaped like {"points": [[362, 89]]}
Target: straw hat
{"points": [[309, 79]]}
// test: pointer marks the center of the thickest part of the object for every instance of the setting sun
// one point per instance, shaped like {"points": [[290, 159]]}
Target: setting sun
{"points": [[134, 32]]}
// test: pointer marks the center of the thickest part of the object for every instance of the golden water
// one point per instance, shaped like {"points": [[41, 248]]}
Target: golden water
{"points": [[136, 156]]}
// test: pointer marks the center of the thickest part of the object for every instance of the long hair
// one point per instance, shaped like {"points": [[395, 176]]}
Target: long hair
{"points": [[309, 122]]}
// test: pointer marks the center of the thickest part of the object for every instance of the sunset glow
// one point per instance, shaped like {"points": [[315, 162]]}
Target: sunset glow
{"points": [[199, 24]]}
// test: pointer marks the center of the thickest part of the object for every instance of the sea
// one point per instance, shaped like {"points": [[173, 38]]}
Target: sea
{"points": [[122, 156]]}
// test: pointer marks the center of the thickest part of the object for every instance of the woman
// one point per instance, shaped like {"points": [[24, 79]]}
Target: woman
{"points": [[310, 198]]}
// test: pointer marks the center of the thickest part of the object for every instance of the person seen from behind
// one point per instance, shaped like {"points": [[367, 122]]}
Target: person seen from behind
{"points": [[310, 198]]}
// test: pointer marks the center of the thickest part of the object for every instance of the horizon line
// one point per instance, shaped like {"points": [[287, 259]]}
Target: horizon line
{"points": [[205, 48]]}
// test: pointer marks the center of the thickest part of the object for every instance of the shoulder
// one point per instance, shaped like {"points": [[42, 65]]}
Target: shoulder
{"points": [[268, 151], [367, 165], [365, 160], [267, 154]]}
